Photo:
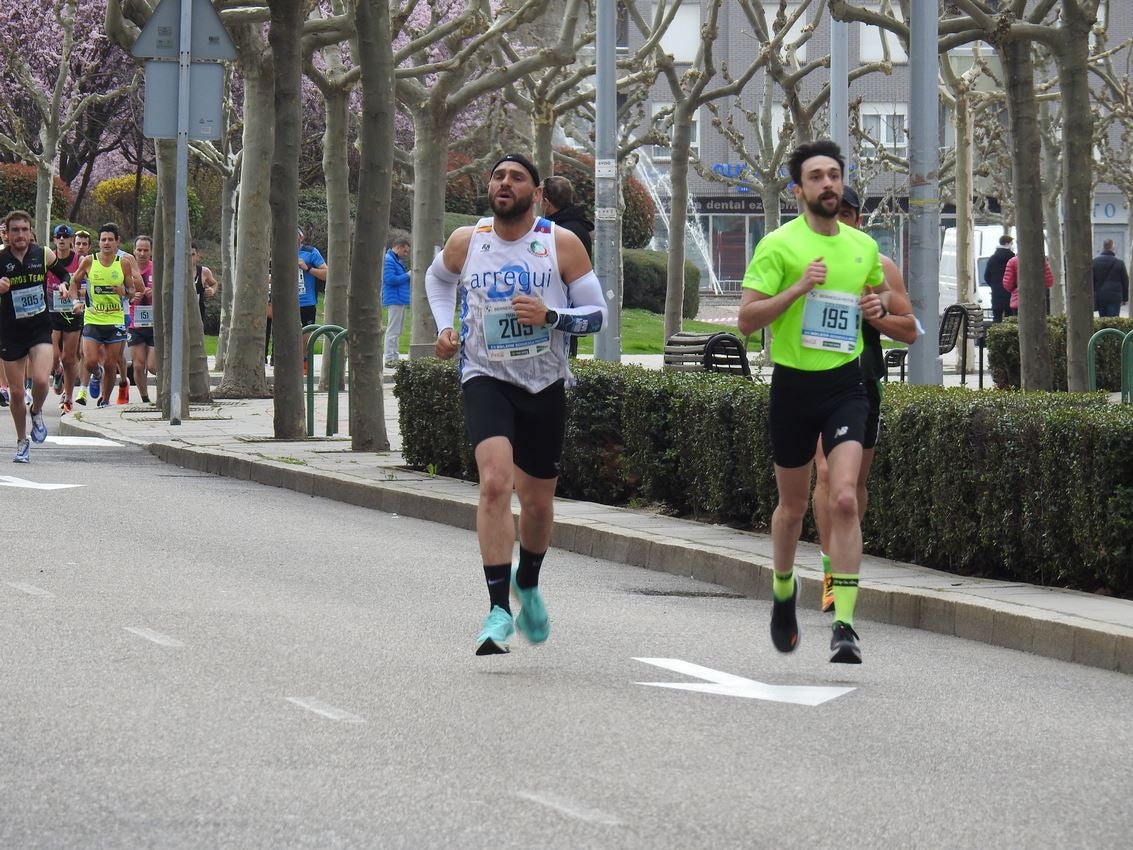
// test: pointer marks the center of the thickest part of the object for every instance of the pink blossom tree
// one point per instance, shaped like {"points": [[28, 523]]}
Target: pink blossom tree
{"points": [[55, 68]]}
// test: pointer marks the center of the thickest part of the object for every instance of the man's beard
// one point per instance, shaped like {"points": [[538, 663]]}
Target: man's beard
{"points": [[519, 208], [818, 208]]}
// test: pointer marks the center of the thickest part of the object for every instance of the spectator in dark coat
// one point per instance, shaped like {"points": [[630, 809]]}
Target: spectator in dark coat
{"points": [[559, 207], [993, 277], [1111, 282]]}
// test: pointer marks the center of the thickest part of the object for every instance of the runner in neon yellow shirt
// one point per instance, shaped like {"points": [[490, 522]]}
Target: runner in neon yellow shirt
{"points": [[812, 281]]}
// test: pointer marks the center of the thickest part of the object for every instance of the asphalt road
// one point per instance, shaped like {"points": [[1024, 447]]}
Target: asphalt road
{"points": [[191, 661]]}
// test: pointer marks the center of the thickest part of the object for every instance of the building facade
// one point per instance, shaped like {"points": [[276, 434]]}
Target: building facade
{"points": [[730, 215]]}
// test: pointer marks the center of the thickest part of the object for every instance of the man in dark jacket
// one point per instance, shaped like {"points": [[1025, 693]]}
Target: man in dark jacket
{"points": [[559, 207], [993, 277], [1111, 282]]}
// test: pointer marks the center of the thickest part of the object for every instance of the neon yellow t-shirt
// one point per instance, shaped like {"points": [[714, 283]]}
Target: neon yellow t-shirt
{"points": [[105, 302], [852, 260]]}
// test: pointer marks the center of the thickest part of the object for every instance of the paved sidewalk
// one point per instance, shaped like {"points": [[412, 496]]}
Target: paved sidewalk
{"points": [[234, 438]]}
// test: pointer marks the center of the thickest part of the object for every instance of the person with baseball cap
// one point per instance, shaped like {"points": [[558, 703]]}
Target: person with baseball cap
{"points": [[896, 322]]}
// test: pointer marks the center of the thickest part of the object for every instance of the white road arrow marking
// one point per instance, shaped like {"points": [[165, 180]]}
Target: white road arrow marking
{"points": [[725, 684], [10, 481], [329, 711], [155, 637], [60, 440], [31, 589]]}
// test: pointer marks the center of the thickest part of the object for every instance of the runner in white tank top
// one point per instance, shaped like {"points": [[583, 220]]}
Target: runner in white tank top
{"points": [[525, 286], [492, 341]]}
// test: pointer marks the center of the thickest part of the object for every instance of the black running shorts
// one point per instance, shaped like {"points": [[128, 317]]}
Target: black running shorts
{"points": [[141, 336], [534, 423], [805, 405], [67, 323], [873, 418], [307, 315], [17, 342]]}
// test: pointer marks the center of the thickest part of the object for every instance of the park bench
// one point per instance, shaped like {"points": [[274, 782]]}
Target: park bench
{"points": [[895, 359], [706, 352], [964, 322]]}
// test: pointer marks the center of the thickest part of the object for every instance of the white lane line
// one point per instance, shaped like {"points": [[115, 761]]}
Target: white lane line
{"points": [[60, 440], [31, 589], [12, 481], [326, 710], [570, 808], [156, 637]]}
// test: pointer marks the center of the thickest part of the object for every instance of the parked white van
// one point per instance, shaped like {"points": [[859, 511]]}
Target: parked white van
{"points": [[985, 239]]}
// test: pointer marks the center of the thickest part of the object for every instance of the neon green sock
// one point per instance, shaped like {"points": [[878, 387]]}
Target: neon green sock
{"points": [[783, 585], [845, 596], [825, 563]]}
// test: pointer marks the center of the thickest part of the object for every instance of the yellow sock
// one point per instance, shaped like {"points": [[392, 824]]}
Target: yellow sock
{"points": [[845, 596]]}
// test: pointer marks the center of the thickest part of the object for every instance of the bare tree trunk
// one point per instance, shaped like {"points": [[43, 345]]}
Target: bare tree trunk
{"points": [[283, 35], [771, 207], [337, 172], [1077, 148], [336, 169], [1034, 350], [544, 120], [375, 183], [1052, 177], [44, 171], [227, 278], [244, 356], [430, 162]]}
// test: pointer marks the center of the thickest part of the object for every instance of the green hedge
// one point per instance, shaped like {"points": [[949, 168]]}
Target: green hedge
{"points": [[644, 280], [1003, 353], [1034, 487]]}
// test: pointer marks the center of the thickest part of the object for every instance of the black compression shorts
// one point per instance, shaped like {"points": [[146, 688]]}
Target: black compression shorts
{"points": [[17, 342], [805, 404], [534, 423]]}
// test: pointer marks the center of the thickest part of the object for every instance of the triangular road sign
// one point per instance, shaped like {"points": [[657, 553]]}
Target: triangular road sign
{"points": [[161, 36]]}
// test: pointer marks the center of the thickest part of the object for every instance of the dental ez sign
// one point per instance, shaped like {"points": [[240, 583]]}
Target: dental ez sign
{"points": [[725, 684]]}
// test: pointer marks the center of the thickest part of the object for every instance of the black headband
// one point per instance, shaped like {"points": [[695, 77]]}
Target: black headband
{"points": [[519, 159]]}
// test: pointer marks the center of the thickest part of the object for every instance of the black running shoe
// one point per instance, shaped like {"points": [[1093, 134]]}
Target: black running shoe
{"points": [[844, 645], [784, 625]]}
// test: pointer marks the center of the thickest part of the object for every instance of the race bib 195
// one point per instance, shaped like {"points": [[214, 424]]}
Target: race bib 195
{"points": [[831, 321]]}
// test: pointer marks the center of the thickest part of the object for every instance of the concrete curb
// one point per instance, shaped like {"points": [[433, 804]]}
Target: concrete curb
{"points": [[936, 609]]}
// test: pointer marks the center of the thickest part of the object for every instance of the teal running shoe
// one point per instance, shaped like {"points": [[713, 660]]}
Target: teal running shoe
{"points": [[532, 622], [498, 627]]}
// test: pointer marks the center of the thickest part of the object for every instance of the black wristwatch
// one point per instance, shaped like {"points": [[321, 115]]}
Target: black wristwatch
{"points": [[551, 318]]}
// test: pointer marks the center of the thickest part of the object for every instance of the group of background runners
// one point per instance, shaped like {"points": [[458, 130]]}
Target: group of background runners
{"points": [[51, 300]]}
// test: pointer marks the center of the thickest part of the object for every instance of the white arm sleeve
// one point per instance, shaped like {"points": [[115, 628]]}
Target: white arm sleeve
{"points": [[587, 312], [440, 288]]}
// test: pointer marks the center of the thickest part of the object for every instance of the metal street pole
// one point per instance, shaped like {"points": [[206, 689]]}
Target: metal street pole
{"points": [[178, 406], [924, 191], [608, 344]]}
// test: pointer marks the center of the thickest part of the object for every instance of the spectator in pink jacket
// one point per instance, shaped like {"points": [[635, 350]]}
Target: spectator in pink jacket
{"points": [[1011, 282]]}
